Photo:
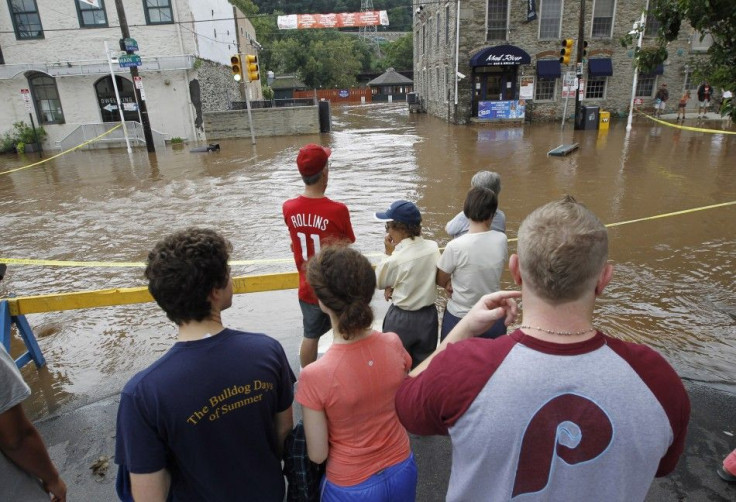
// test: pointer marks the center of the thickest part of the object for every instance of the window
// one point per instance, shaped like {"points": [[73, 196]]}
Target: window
{"points": [[700, 42], [602, 18], [2, 59], [429, 35], [652, 26], [26, 21], [595, 87], [545, 89], [497, 17], [444, 77], [645, 85], [158, 11], [447, 24], [550, 19], [424, 39], [91, 16], [439, 18], [46, 99]]}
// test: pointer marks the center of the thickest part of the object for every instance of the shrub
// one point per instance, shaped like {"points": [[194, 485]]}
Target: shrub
{"points": [[19, 136]]}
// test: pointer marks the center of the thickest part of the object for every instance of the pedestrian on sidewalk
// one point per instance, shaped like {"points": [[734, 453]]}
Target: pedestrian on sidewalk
{"points": [[460, 225], [682, 105], [314, 221], [704, 96], [406, 274], [660, 100], [727, 471], [207, 421], [556, 410], [472, 264], [347, 395], [26, 471]]}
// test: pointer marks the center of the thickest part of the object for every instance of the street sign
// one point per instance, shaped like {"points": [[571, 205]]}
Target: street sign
{"points": [[579, 68], [138, 82], [128, 60], [638, 101], [110, 107], [26, 95], [130, 44]]}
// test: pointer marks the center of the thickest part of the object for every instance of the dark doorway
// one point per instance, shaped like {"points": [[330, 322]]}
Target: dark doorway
{"points": [[108, 104], [493, 83]]}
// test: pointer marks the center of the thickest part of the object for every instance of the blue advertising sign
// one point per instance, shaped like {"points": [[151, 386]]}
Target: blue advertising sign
{"points": [[501, 109], [128, 60], [344, 93]]}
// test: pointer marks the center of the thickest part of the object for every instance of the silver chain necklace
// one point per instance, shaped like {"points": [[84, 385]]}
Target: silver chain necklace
{"points": [[564, 333]]}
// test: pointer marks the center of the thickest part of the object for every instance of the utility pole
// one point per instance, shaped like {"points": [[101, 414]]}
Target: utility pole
{"points": [[134, 74], [579, 64]]}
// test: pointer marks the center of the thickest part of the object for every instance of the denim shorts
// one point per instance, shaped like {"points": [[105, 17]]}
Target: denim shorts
{"points": [[449, 321], [397, 483], [316, 323]]}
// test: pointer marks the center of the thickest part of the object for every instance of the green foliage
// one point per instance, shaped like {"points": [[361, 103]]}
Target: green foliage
{"points": [[326, 58], [717, 17], [267, 92], [176, 140], [647, 58], [19, 136]]}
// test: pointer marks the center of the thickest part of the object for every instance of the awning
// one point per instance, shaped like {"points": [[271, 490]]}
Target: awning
{"points": [[500, 55], [601, 67], [549, 68], [658, 70]]}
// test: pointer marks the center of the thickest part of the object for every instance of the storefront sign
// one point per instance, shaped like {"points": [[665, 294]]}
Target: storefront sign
{"points": [[502, 59], [526, 87], [501, 109]]}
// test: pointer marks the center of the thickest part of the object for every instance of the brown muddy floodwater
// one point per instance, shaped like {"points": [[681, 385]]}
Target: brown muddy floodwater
{"points": [[674, 286]]}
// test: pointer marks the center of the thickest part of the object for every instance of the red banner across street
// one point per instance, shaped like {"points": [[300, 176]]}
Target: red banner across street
{"points": [[342, 20]]}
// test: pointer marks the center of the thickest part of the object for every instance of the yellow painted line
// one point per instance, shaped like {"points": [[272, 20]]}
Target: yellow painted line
{"points": [[686, 128], [23, 305], [62, 153], [269, 261]]}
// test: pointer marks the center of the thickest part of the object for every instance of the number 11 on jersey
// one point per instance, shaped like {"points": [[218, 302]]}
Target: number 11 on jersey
{"points": [[303, 244]]}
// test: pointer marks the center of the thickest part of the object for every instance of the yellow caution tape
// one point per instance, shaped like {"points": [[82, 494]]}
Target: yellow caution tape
{"points": [[686, 128], [62, 153], [269, 261]]}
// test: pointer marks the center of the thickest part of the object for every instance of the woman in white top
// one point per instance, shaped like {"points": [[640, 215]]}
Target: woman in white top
{"points": [[472, 264]]}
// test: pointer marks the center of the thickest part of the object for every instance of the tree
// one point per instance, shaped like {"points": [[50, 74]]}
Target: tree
{"points": [[400, 53], [714, 17]]}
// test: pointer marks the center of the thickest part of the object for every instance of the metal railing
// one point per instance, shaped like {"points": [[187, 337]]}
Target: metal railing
{"points": [[272, 103], [115, 139]]}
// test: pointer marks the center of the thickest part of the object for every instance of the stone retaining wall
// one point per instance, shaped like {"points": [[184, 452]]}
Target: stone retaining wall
{"points": [[266, 122]]}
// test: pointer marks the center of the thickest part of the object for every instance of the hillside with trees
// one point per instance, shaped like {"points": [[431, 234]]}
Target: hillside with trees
{"points": [[326, 58]]}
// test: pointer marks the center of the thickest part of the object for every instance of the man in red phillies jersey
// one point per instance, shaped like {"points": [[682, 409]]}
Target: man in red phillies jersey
{"points": [[313, 221]]}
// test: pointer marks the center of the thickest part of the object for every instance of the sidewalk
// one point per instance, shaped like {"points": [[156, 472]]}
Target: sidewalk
{"points": [[77, 439]]}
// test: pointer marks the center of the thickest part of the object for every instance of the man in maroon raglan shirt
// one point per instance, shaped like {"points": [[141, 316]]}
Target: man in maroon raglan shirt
{"points": [[556, 410], [313, 221]]}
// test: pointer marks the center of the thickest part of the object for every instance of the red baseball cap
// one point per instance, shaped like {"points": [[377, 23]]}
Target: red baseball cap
{"points": [[312, 159]]}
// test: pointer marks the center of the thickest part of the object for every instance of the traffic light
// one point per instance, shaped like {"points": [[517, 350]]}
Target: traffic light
{"points": [[236, 67], [585, 48], [251, 68], [566, 52]]}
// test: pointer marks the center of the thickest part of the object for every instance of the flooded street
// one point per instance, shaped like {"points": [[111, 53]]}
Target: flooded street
{"points": [[674, 285]]}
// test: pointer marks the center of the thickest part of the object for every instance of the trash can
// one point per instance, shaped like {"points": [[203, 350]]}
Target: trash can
{"points": [[603, 121], [590, 117], [325, 117]]}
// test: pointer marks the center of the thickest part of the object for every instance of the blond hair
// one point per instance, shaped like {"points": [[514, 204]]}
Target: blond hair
{"points": [[562, 249]]}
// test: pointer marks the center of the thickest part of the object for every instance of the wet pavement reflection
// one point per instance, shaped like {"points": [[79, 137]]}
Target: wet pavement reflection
{"points": [[674, 286]]}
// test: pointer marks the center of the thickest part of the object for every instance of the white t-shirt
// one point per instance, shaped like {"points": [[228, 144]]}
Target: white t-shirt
{"points": [[476, 262]]}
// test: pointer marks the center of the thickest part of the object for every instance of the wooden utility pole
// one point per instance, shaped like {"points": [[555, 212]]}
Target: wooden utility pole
{"points": [[134, 74]]}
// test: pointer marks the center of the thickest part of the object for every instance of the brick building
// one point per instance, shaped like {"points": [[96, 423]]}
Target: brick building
{"points": [[55, 49], [473, 57]]}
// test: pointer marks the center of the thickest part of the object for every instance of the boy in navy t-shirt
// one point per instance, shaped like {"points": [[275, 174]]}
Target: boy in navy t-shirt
{"points": [[207, 421]]}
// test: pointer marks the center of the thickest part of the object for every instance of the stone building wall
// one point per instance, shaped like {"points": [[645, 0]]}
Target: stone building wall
{"points": [[217, 87], [434, 55]]}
